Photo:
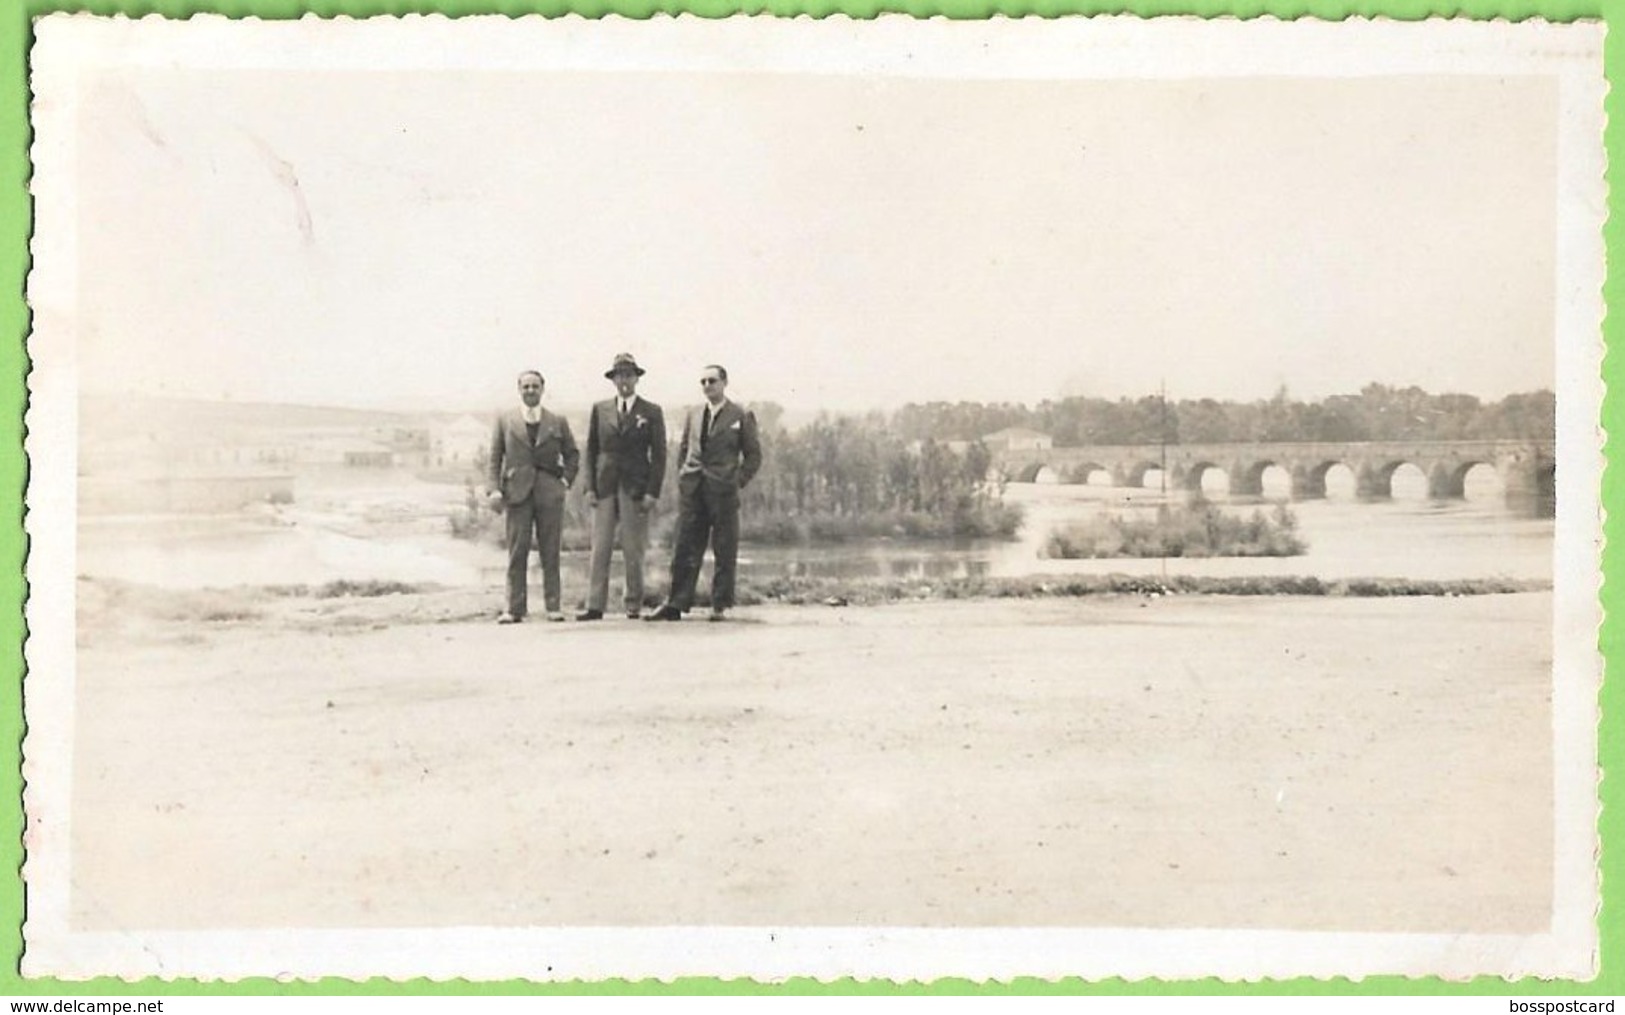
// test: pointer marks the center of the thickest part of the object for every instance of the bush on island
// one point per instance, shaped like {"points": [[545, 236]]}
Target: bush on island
{"points": [[1186, 530]]}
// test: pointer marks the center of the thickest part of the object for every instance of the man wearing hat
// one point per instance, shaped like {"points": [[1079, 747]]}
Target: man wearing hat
{"points": [[532, 463], [626, 465]]}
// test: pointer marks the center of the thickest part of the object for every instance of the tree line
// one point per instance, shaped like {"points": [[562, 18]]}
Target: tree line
{"points": [[1378, 413], [861, 467]]}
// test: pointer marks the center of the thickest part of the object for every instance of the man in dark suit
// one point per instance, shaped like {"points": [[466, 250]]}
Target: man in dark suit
{"points": [[533, 461], [719, 453], [626, 466]]}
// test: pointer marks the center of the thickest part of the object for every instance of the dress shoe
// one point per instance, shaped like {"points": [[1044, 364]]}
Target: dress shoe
{"points": [[590, 615], [717, 616], [555, 617], [508, 618], [666, 612], [633, 614]]}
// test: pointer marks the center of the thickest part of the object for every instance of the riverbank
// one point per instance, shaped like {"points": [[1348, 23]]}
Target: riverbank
{"points": [[1360, 764], [109, 604]]}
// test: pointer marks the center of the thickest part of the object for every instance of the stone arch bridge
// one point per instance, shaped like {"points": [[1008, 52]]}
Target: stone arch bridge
{"points": [[1527, 468]]}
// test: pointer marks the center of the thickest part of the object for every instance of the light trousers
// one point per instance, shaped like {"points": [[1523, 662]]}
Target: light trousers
{"points": [[626, 513]]}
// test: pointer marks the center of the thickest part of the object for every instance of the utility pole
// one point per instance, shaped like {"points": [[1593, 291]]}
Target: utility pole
{"points": [[1162, 432], [1162, 441]]}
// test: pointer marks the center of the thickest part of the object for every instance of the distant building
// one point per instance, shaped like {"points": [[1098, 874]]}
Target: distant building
{"points": [[460, 441], [351, 452], [1017, 438], [412, 445]]}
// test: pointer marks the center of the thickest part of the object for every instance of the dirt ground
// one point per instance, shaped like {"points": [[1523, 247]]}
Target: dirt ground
{"points": [[1335, 764]]}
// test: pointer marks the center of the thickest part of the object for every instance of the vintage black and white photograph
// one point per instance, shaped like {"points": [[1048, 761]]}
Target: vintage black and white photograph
{"points": [[568, 499]]}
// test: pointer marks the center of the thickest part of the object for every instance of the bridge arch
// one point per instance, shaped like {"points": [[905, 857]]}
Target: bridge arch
{"points": [[1375, 480], [1247, 480], [1082, 472], [1309, 479], [1273, 481], [1485, 482], [1132, 473], [1448, 480], [1194, 477]]}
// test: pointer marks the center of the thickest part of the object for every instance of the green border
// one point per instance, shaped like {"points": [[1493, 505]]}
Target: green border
{"points": [[15, 36]]}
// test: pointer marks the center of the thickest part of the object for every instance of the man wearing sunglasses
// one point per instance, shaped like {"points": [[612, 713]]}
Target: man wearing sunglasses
{"points": [[718, 455]]}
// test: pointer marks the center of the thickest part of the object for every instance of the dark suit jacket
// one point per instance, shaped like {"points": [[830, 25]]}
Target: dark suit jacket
{"points": [[630, 457], [515, 462], [732, 452]]}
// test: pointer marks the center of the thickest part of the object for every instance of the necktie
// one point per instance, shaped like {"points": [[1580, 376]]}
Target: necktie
{"points": [[623, 404], [705, 428]]}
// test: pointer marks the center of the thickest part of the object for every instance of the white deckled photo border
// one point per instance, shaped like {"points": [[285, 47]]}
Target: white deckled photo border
{"points": [[1127, 48]]}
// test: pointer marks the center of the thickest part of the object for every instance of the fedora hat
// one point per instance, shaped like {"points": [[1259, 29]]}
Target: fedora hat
{"points": [[624, 359]]}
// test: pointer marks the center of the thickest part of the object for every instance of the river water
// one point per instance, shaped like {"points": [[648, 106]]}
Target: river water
{"points": [[399, 532]]}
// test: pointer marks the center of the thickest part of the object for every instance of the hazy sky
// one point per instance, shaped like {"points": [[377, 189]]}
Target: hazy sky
{"points": [[412, 240]]}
